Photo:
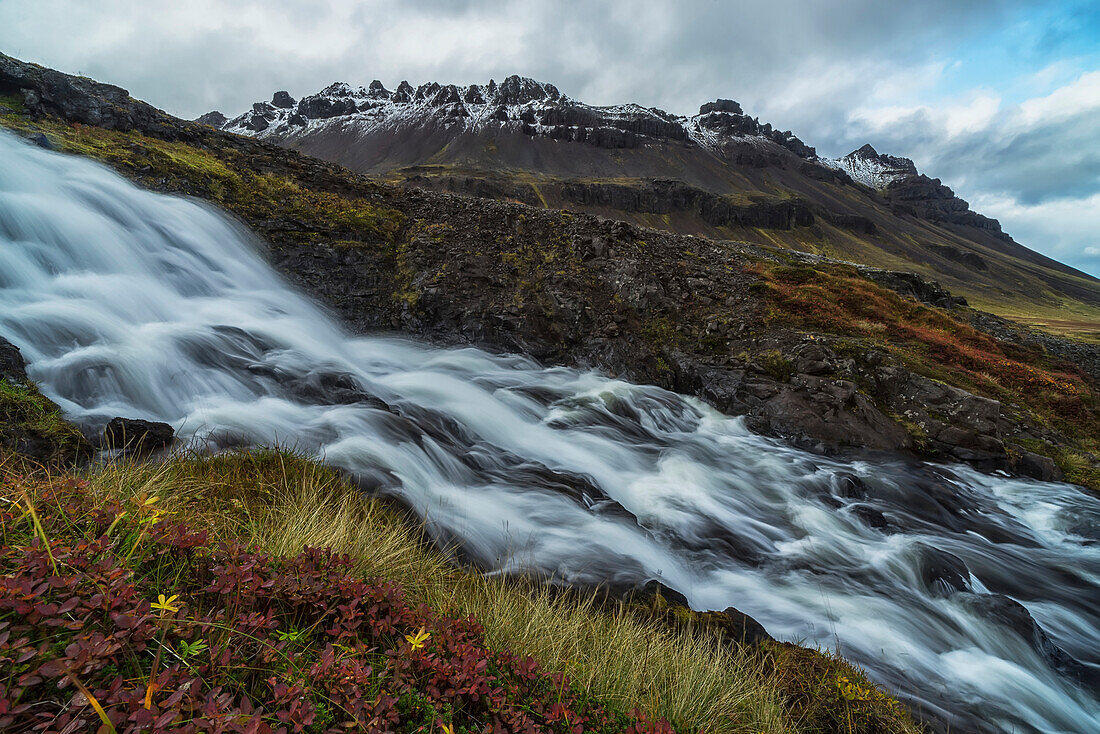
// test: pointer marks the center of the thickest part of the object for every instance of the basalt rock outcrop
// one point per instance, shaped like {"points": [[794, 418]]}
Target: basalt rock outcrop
{"points": [[653, 306], [137, 436], [79, 99], [31, 425]]}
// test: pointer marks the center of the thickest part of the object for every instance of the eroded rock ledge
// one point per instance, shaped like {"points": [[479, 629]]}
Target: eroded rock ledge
{"points": [[677, 311]]}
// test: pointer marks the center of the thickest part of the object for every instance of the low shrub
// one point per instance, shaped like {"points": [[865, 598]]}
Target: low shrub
{"points": [[121, 617]]}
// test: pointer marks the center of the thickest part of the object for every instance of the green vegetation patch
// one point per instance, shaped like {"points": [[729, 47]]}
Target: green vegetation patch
{"points": [[32, 424], [225, 176], [11, 103]]}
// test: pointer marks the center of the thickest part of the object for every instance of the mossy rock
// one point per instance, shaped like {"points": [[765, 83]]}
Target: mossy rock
{"points": [[32, 426]]}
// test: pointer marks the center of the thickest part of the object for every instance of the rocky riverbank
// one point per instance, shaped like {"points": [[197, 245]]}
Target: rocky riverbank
{"points": [[705, 317]]}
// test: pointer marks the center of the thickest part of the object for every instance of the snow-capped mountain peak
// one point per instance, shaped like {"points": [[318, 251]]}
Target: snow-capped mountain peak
{"points": [[870, 168], [517, 104]]}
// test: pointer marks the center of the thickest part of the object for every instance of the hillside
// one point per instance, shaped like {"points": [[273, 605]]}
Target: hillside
{"points": [[875, 453], [719, 173], [830, 358]]}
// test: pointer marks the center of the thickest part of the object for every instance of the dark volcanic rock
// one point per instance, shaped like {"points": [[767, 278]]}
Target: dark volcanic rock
{"points": [[214, 119], [970, 259], [1033, 465], [854, 222], [929, 199], [665, 196], [79, 99], [319, 108], [138, 436], [670, 607], [282, 100], [721, 105], [914, 286], [12, 366]]}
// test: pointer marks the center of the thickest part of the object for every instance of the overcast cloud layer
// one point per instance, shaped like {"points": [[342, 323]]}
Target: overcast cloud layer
{"points": [[999, 99]]}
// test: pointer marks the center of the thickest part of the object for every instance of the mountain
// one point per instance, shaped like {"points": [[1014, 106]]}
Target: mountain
{"points": [[720, 173], [831, 355]]}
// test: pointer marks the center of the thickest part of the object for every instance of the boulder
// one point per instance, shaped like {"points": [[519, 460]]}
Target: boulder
{"points": [[1036, 466], [12, 365], [736, 626], [137, 436]]}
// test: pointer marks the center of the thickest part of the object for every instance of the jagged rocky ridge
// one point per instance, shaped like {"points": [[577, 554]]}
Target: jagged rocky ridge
{"points": [[533, 108], [649, 305], [518, 104]]}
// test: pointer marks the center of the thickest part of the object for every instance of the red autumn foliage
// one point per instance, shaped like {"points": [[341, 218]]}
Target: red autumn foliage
{"points": [[840, 301], [250, 643]]}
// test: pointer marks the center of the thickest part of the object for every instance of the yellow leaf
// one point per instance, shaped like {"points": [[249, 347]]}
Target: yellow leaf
{"points": [[166, 605], [419, 640]]}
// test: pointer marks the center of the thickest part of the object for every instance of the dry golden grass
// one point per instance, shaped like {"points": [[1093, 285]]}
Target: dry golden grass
{"points": [[281, 503]]}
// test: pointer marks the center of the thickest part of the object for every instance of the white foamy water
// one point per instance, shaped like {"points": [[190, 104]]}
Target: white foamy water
{"points": [[976, 598]]}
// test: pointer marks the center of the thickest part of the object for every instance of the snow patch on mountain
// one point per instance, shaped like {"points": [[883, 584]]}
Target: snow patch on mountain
{"points": [[518, 104], [870, 168]]}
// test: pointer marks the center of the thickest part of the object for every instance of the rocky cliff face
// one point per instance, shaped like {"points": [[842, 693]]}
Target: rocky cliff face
{"points": [[688, 313], [536, 109], [517, 104]]}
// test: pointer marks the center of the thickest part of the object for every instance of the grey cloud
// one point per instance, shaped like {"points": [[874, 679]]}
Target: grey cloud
{"points": [[802, 65]]}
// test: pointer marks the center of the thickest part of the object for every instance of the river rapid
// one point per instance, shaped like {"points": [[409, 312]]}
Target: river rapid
{"points": [[975, 598]]}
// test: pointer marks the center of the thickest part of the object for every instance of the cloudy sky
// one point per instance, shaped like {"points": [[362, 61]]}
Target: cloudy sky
{"points": [[999, 99]]}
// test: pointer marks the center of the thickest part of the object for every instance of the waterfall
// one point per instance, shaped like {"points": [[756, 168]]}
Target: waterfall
{"points": [[974, 597]]}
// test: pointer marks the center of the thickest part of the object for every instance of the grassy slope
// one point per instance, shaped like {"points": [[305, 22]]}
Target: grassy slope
{"points": [[932, 342], [354, 212], [1061, 302], [277, 503]]}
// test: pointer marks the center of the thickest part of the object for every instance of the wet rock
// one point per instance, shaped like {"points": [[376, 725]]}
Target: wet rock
{"points": [[654, 590], [1015, 616], [832, 413], [871, 517], [22, 428], [942, 572], [1036, 466], [137, 436], [12, 365], [736, 626], [660, 602]]}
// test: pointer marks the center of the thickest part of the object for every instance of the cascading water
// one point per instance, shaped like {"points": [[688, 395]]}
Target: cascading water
{"points": [[976, 597]]}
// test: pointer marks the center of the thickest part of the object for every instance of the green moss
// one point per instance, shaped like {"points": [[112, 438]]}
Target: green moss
{"points": [[915, 430], [778, 367], [10, 103], [28, 417], [221, 175], [661, 333], [1077, 467]]}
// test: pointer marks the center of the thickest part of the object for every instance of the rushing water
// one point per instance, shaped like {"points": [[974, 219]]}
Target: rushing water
{"points": [[130, 303]]}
